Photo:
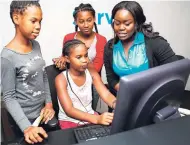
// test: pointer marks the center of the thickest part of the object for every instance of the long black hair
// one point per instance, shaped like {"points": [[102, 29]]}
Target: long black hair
{"points": [[18, 6], [84, 7], [137, 12]]}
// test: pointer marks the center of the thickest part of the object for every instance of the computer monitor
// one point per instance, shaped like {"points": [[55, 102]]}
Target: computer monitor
{"points": [[142, 94]]}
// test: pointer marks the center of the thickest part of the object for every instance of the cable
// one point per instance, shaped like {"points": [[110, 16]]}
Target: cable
{"points": [[77, 97]]}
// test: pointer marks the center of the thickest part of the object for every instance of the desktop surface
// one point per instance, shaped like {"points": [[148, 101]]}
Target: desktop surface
{"points": [[171, 132]]}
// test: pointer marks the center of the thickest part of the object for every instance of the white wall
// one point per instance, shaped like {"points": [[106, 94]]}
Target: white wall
{"points": [[169, 18]]}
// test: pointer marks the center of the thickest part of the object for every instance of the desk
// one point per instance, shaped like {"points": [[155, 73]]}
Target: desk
{"points": [[172, 132]]}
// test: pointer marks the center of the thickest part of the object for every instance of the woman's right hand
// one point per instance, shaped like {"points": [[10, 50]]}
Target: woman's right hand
{"points": [[60, 62], [105, 118], [31, 134]]}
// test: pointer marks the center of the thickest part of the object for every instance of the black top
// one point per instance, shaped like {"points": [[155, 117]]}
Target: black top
{"points": [[158, 52]]}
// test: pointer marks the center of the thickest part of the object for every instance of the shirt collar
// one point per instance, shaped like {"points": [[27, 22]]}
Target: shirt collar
{"points": [[139, 38]]}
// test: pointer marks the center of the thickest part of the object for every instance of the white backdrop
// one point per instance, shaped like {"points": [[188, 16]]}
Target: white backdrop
{"points": [[169, 18]]}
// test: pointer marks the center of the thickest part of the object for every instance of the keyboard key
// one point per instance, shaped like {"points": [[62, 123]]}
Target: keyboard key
{"points": [[91, 132]]}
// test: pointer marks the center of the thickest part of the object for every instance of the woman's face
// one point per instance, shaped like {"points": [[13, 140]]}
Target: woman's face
{"points": [[124, 24], [85, 21]]}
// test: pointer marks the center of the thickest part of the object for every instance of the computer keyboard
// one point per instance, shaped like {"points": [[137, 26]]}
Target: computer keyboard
{"points": [[91, 132]]}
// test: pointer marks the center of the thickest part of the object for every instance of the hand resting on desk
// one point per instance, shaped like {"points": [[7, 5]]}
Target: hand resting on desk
{"points": [[32, 136]]}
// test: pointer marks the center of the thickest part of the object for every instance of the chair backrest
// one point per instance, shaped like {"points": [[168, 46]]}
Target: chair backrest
{"points": [[52, 72], [8, 126]]}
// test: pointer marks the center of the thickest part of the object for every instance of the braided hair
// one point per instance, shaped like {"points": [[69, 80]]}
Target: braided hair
{"points": [[70, 44], [18, 6], [84, 7], [137, 12]]}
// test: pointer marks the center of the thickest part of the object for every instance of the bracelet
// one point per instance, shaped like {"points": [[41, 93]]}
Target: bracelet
{"points": [[113, 103]]}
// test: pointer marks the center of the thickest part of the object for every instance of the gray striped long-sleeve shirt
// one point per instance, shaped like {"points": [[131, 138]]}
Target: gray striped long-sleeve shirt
{"points": [[24, 84]]}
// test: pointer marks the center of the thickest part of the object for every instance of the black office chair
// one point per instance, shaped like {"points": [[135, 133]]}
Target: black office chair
{"points": [[52, 72], [8, 126]]}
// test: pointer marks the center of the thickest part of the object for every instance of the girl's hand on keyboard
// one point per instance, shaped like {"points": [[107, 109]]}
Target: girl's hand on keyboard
{"points": [[105, 118]]}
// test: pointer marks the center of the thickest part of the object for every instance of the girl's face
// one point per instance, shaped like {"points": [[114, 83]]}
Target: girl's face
{"points": [[29, 23], [124, 24], [78, 58], [85, 22]]}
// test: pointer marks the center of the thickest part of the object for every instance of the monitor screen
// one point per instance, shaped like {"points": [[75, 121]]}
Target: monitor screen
{"points": [[142, 94]]}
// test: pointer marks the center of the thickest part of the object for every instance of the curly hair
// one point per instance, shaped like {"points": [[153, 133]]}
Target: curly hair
{"points": [[70, 44]]}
